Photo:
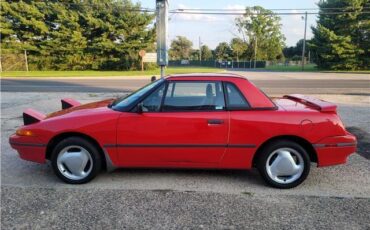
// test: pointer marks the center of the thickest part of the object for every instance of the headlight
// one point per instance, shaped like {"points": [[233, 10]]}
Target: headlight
{"points": [[24, 132]]}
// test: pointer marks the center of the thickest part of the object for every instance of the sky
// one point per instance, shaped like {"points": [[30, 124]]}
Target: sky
{"points": [[213, 29]]}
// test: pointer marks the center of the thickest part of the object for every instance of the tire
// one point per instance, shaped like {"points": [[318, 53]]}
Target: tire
{"points": [[283, 164], [76, 160]]}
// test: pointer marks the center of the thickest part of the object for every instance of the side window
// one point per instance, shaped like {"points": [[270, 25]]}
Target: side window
{"points": [[153, 102], [235, 98], [194, 96]]}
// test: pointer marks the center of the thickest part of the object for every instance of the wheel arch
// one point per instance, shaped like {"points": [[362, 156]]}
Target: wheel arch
{"points": [[299, 140], [56, 139]]}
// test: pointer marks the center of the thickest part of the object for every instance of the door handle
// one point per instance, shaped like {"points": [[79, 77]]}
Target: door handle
{"points": [[215, 122]]}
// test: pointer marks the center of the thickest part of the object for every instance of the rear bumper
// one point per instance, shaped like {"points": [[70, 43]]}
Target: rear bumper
{"points": [[335, 150], [28, 148]]}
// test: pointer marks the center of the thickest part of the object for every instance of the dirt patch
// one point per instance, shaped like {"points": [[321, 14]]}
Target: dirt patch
{"points": [[363, 141]]}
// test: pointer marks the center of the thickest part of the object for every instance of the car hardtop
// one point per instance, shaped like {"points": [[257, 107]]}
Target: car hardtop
{"points": [[204, 76]]}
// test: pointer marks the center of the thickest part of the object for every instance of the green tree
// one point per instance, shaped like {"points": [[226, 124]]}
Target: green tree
{"points": [[22, 28], [294, 51], [223, 51], [116, 31], [262, 27], [65, 47], [90, 34], [206, 53], [341, 40], [22, 24], [180, 48], [194, 55], [239, 47], [334, 52]]}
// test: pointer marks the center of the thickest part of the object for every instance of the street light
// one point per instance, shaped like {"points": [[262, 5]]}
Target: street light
{"points": [[304, 39], [162, 27]]}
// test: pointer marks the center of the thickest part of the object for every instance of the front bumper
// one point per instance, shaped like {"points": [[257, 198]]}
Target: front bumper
{"points": [[335, 150], [29, 148]]}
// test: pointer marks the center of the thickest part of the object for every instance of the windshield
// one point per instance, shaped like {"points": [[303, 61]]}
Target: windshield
{"points": [[128, 99]]}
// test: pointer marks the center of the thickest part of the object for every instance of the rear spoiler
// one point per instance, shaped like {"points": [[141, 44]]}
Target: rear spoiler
{"points": [[69, 103], [31, 116], [316, 103]]}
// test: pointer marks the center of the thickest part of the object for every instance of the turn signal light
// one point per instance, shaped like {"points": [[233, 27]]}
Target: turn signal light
{"points": [[23, 132]]}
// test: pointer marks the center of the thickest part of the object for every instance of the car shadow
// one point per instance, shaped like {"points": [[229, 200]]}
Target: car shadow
{"points": [[363, 141]]}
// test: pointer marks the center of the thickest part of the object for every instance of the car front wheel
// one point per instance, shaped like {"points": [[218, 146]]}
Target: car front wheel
{"points": [[75, 160], [284, 164]]}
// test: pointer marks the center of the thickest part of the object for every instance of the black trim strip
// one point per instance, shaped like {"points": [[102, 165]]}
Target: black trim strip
{"points": [[344, 144], [242, 146], [166, 84], [28, 144], [179, 146], [110, 146]]}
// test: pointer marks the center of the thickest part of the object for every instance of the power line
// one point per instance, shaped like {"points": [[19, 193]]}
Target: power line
{"points": [[271, 13], [204, 10], [301, 11], [285, 9], [236, 12]]}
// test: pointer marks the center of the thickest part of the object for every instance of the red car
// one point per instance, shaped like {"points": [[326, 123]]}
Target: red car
{"points": [[217, 121]]}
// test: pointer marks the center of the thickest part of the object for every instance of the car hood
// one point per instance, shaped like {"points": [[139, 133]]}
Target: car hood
{"points": [[90, 107]]}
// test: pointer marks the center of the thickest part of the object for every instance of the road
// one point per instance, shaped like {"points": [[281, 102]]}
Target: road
{"points": [[272, 83]]}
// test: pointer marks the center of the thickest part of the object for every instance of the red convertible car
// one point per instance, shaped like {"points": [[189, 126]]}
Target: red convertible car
{"points": [[218, 121]]}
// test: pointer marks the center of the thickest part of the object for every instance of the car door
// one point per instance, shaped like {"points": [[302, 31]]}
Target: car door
{"points": [[244, 129], [181, 124]]}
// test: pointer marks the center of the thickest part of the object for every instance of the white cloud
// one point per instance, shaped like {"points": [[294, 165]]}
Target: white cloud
{"points": [[217, 28], [193, 17], [235, 7], [293, 27]]}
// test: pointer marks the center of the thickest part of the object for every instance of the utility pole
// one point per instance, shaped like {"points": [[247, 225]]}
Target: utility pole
{"points": [[304, 40], [25, 58], [162, 38], [200, 51], [255, 52]]}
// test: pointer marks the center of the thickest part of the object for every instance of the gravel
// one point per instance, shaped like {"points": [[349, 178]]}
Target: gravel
{"points": [[164, 209]]}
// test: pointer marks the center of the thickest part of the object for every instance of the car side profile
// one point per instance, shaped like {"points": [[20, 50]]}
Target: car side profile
{"points": [[213, 121]]}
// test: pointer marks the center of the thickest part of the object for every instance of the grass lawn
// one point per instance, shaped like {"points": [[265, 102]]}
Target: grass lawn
{"points": [[296, 68], [91, 73], [309, 68], [169, 70]]}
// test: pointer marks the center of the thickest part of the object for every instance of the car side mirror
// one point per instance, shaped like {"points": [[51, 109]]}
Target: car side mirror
{"points": [[153, 78], [139, 107]]}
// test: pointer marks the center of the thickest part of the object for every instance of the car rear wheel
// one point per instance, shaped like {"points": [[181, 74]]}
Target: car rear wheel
{"points": [[75, 160], [284, 164]]}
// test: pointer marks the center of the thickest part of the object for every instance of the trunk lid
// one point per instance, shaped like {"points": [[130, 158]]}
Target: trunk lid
{"points": [[89, 106], [31, 116]]}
